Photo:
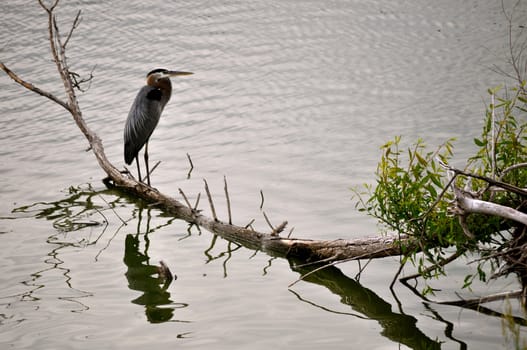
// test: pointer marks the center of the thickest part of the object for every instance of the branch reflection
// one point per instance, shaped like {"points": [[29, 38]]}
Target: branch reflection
{"points": [[226, 254], [72, 217], [397, 327]]}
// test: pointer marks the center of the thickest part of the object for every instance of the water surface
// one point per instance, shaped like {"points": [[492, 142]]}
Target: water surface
{"points": [[292, 98]]}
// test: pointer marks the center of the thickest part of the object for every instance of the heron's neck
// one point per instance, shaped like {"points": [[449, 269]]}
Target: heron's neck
{"points": [[165, 86], [162, 84]]}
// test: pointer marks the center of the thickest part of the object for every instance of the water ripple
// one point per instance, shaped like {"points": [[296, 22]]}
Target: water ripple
{"points": [[293, 97]]}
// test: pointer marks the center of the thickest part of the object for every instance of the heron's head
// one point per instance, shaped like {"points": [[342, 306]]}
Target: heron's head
{"points": [[153, 77]]}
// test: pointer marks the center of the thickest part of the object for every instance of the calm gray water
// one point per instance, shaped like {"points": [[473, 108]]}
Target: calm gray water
{"points": [[293, 98]]}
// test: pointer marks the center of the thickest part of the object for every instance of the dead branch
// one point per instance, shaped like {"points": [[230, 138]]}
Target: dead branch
{"points": [[439, 265], [211, 202], [228, 199], [33, 88], [303, 249], [471, 205], [278, 229], [490, 181], [185, 198], [465, 202]]}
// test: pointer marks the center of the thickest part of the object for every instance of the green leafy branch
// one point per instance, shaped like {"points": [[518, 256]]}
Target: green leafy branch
{"points": [[413, 191]]}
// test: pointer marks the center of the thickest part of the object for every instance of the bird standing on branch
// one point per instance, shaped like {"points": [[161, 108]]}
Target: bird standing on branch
{"points": [[144, 115]]}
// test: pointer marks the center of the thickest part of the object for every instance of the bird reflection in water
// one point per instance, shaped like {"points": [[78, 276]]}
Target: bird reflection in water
{"points": [[153, 281]]}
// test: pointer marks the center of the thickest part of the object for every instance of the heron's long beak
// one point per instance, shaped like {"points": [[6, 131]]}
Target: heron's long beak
{"points": [[174, 73]]}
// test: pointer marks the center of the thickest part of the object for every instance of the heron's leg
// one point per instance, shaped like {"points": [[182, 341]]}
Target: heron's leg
{"points": [[138, 168], [146, 162]]}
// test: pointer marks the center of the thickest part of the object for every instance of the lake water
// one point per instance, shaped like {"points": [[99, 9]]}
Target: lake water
{"points": [[291, 98]]}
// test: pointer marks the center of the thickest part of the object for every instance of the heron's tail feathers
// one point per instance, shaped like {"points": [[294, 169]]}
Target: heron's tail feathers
{"points": [[129, 153]]}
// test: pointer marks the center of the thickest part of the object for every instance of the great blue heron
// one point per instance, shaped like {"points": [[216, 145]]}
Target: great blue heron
{"points": [[144, 115]]}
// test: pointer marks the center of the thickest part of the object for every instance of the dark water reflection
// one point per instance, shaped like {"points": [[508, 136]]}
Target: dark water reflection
{"points": [[144, 277], [148, 278], [76, 213], [398, 327]]}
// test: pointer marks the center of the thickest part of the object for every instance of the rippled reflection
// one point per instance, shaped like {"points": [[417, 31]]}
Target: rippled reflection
{"points": [[73, 218], [69, 216], [146, 278], [397, 327]]}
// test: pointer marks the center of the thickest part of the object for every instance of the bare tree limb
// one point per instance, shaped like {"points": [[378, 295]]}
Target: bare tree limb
{"points": [[491, 181], [74, 26], [211, 203], [228, 199], [472, 205], [33, 88]]}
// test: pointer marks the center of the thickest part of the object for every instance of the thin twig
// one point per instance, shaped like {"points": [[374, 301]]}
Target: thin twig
{"points": [[317, 262], [151, 171], [54, 38], [74, 26], [210, 201], [276, 231], [51, 8], [197, 201], [109, 241], [440, 264], [212, 244], [33, 88], [415, 291], [228, 199], [301, 278], [511, 168], [268, 221], [249, 224], [185, 198], [493, 182], [269, 264], [78, 81]]}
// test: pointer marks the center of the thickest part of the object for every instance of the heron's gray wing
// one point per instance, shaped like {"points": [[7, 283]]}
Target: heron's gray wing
{"points": [[141, 122]]}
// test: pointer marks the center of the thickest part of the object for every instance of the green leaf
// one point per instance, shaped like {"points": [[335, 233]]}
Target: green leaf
{"points": [[479, 143]]}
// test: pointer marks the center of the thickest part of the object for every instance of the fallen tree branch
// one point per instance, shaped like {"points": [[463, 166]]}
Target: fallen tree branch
{"points": [[271, 243]]}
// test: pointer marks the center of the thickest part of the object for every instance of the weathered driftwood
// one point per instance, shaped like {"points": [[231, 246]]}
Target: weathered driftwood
{"points": [[306, 250]]}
